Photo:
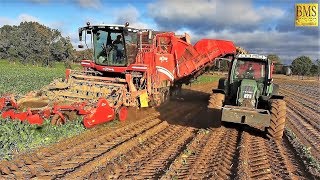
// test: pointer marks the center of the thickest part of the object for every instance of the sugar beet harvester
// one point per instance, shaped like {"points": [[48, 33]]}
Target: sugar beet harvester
{"points": [[129, 67]]}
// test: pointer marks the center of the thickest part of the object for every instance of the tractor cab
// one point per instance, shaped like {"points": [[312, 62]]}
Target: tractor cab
{"points": [[113, 45], [248, 79]]}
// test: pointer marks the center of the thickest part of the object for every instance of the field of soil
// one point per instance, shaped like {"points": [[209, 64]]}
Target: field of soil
{"points": [[179, 141]]}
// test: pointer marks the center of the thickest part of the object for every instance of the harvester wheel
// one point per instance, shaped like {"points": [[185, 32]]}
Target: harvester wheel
{"points": [[214, 108], [278, 119], [122, 113]]}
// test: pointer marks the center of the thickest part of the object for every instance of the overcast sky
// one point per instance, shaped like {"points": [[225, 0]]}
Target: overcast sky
{"points": [[259, 26]]}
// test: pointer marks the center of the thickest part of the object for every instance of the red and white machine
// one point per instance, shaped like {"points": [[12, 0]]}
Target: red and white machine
{"points": [[129, 67]]}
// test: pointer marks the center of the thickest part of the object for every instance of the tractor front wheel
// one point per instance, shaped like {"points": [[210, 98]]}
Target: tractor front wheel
{"points": [[278, 119], [215, 108]]}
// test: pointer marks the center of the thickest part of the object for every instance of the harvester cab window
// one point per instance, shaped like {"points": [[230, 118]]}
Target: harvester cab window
{"points": [[131, 42], [109, 48]]}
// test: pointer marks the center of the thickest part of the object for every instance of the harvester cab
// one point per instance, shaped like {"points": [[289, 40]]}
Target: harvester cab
{"points": [[249, 96], [113, 45]]}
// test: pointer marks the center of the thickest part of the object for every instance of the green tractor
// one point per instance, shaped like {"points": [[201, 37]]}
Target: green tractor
{"points": [[249, 97]]}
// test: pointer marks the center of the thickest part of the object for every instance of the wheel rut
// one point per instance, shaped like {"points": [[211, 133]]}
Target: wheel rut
{"points": [[175, 141]]}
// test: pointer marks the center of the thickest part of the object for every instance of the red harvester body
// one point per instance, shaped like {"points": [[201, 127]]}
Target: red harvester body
{"points": [[142, 68]]}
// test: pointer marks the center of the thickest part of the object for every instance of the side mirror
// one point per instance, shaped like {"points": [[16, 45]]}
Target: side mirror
{"points": [[219, 64], [98, 35], [80, 46], [125, 29], [80, 34]]}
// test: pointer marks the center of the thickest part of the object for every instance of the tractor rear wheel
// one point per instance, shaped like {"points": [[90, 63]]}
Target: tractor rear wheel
{"points": [[278, 119], [215, 108]]}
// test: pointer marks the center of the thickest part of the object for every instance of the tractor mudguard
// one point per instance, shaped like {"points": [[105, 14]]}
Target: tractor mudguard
{"points": [[276, 97], [243, 115], [221, 84], [222, 91]]}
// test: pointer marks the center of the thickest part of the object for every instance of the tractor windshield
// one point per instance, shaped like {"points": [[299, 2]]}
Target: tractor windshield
{"points": [[114, 48], [250, 69]]}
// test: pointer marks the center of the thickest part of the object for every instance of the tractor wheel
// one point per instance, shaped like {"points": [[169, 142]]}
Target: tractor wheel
{"points": [[278, 119], [214, 108], [221, 83]]}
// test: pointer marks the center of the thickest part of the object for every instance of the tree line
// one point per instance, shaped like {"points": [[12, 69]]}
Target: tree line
{"points": [[302, 65], [33, 43]]}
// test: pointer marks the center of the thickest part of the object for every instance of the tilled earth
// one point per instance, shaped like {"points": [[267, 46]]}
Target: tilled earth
{"points": [[179, 141], [303, 111]]}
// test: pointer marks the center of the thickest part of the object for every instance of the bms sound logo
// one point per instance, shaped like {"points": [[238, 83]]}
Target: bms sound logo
{"points": [[307, 14]]}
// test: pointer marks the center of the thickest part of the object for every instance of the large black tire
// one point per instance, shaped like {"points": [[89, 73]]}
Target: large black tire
{"points": [[221, 83], [215, 108], [278, 119]]}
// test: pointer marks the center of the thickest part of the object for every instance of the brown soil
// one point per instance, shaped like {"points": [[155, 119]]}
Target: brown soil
{"points": [[174, 141], [303, 113]]}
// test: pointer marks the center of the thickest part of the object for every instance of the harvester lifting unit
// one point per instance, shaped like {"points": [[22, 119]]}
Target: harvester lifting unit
{"points": [[129, 67]]}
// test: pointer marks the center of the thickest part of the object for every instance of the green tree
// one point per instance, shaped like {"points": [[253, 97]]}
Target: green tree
{"points": [[82, 54], [315, 68], [274, 58], [5, 32], [31, 42], [301, 65]]}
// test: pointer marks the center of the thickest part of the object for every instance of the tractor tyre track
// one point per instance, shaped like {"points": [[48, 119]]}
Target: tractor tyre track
{"points": [[56, 162], [168, 144]]}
